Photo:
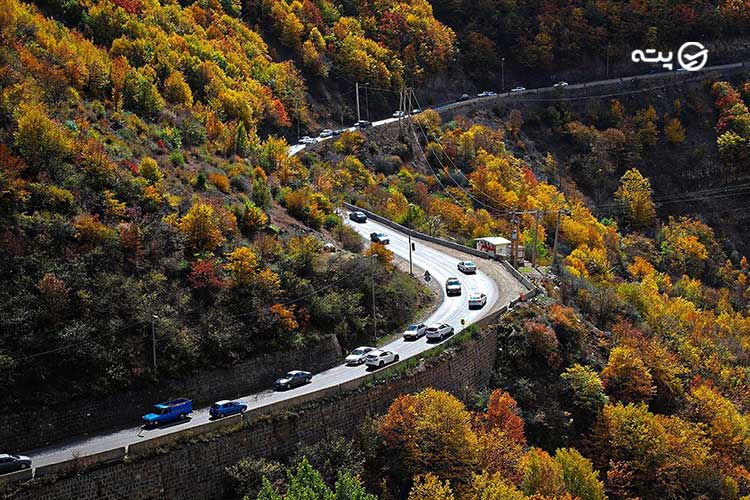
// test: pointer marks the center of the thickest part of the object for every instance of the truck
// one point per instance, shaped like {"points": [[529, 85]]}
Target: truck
{"points": [[169, 411]]}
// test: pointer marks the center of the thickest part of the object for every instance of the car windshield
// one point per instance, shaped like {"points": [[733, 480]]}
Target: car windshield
{"points": [[469, 263], [454, 282], [289, 375], [411, 328], [358, 351]]}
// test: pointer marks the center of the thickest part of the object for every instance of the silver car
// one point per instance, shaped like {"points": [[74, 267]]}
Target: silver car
{"points": [[413, 332], [13, 463], [439, 331], [358, 355], [467, 267]]}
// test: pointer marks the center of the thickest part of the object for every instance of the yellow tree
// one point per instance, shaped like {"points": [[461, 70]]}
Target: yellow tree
{"points": [[634, 194], [626, 376], [242, 264], [202, 228], [429, 487], [430, 432]]}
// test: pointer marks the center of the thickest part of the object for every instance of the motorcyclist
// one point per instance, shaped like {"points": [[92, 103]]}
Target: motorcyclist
{"points": [[427, 275]]}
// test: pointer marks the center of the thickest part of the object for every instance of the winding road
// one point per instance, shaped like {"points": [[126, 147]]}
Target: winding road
{"points": [[441, 263]]}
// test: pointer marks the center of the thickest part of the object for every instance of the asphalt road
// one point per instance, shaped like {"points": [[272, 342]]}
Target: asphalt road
{"points": [[530, 94], [441, 265]]}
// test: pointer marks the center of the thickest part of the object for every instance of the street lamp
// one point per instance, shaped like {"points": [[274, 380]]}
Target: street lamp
{"points": [[153, 338], [502, 65]]}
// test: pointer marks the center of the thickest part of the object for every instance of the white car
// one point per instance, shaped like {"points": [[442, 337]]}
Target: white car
{"points": [[452, 286], [307, 140], [379, 358], [467, 267], [487, 93], [413, 332], [358, 355], [399, 114], [324, 134], [518, 89], [416, 111], [439, 331], [561, 84], [477, 300]]}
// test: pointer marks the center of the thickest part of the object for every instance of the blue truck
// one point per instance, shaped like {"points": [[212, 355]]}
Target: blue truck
{"points": [[169, 411]]}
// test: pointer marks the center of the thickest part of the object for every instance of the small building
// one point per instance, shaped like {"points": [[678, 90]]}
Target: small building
{"points": [[496, 246]]}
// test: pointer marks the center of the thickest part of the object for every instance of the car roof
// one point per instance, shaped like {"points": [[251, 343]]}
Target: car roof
{"points": [[475, 294], [435, 325], [294, 372], [222, 402]]}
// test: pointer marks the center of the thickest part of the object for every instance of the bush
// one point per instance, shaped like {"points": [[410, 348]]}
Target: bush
{"points": [[220, 181], [350, 239], [246, 476]]}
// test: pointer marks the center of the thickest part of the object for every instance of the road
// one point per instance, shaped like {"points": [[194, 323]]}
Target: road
{"points": [[530, 94], [440, 264]]}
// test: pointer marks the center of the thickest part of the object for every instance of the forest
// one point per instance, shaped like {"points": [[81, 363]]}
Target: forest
{"points": [[146, 186]]}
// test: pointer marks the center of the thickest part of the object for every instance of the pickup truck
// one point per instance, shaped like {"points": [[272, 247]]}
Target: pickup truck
{"points": [[168, 411]]}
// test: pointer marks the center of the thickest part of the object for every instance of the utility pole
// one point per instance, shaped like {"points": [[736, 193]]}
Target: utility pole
{"points": [[536, 233], [356, 87], [502, 65], [514, 238], [153, 339], [606, 66], [367, 102], [411, 246], [372, 278], [296, 112], [557, 233]]}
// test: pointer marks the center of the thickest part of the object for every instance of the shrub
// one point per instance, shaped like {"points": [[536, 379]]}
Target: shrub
{"points": [[220, 181]]}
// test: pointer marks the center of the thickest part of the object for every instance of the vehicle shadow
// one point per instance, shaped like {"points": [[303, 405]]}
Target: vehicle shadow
{"points": [[169, 425]]}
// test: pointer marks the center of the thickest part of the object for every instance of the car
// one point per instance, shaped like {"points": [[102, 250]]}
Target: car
{"points": [[439, 331], [324, 134], [477, 300], [463, 97], [518, 89], [416, 111], [225, 408], [12, 463], [452, 286], [358, 217], [379, 358], [414, 332], [358, 355], [306, 139], [487, 93], [561, 84], [399, 114], [362, 124], [339, 131], [381, 238], [294, 378], [467, 267], [168, 411]]}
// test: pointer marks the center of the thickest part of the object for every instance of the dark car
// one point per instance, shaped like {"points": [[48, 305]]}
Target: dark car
{"points": [[381, 238], [12, 463], [362, 124], [463, 97], [294, 378], [338, 131], [224, 408], [358, 217]]}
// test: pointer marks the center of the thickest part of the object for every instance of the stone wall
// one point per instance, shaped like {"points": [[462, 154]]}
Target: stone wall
{"points": [[24, 431], [195, 469]]}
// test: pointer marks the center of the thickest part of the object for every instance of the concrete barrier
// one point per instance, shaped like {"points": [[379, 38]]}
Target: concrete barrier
{"points": [[149, 445], [14, 477], [81, 463]]}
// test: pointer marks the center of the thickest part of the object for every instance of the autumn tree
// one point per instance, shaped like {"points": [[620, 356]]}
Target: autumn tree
{"points": [[634, 194], [41, 141], [627, 377], [674, 131], [202, 228], [429, 487], [150, 170], [242, 264], [430, 432], [587, 394], [578, 475]]}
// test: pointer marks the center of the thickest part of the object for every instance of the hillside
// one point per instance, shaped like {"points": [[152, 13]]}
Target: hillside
{"points": [[153, 225], [138, 196]]}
